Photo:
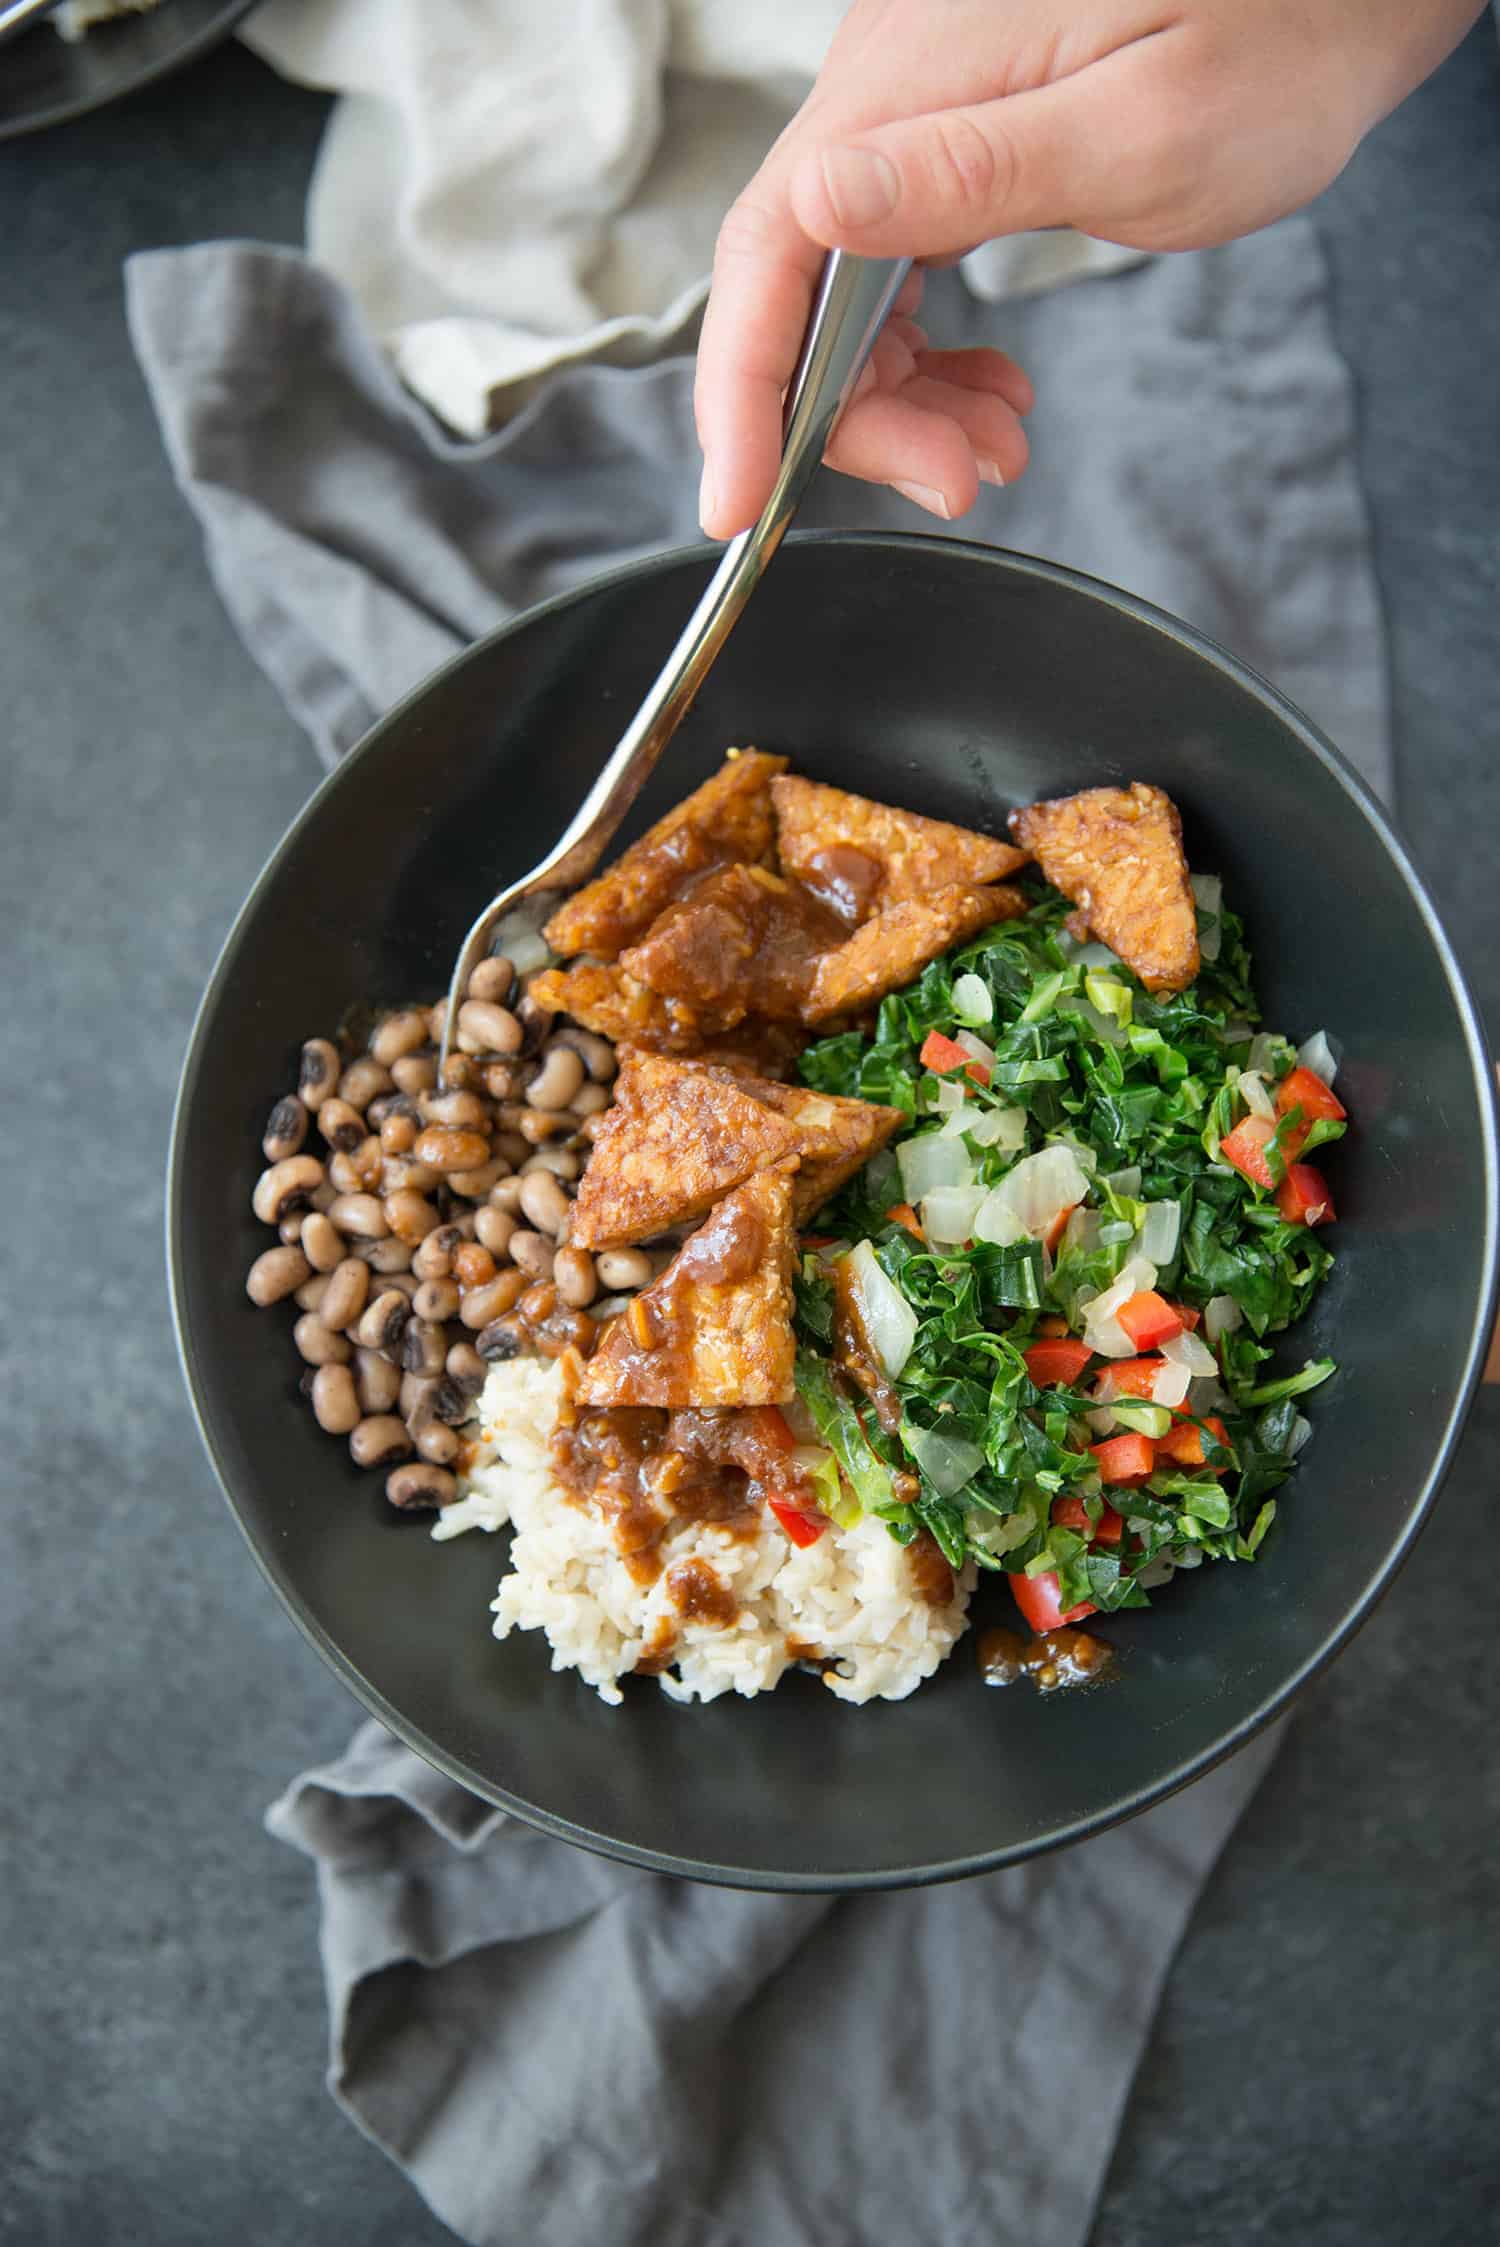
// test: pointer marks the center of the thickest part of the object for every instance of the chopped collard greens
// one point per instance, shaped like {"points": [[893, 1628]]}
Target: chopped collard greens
{"points": [[1063, 1182]]}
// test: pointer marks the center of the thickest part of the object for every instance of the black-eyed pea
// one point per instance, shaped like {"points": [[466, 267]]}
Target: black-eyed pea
{"points": [[590, 1100], [511, 1145], [399, 1034], [410, 1216], [480, 1305], [360, 1217], [309, 1296], [460, 1071], [474, 1185], [398, 1135], [286, 1128], [484, 1026], [368, 1164], [532, 1254], [559, 1160], [432, 1258], [286, 1186], [493, 1228], [341, 1125], [502, 1339], [342, 1175], [622, 1269], [290, 1228], [317, 1344], [420, 1487], [544, 1205], [465, 1111], [492, 979], [390, 1257], [466, 1369], [335, 1400], [383, 1322], [506, 1196], [448, 1149], [503, 1080], [597, 1054], [276, 1274], [403, 1174], [436, 1300], [536, 1022], [318, 1072], [346, 1294], [437, 1015], [437, 1442], [322, 1243], [379, 1441], [424, 1347], [415, 1073], [558, 1080], [377, 1380], [540, 1125], [573, 1271], [363, 1081]]}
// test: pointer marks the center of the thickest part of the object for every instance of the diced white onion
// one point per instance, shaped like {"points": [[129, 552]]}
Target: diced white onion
{"points": [[972, 999], [1222, 1316], [1004, 1128], [948, 1462], [1206, 1396], [1171, 1384], [1208, 891], [1159, 1571], [1301, 1431], [1034, 1193], [1081, 1233], [1262, 1053], [948, 1213], [1088, 1161], [1103, 1419], [1126, 1181], [1101, 1329], [1318, 1055], [1159, 1230], [932, 1159], [1186, 1350], [1255, 1093], [889, 1321], [995, 1221], [952, 1098], [1114, 1231], [976, 1048], [519, 936], [1096, 955]]}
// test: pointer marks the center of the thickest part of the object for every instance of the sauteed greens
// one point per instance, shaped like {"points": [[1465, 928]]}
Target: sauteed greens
{"points": [[1047, 1342]]}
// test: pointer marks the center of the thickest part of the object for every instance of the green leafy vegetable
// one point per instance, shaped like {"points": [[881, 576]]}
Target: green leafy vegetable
{"points": [[1142, 1088]]}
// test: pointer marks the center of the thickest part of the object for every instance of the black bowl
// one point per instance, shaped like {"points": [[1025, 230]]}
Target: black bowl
{"points": [[958, 681], [45, 80]]}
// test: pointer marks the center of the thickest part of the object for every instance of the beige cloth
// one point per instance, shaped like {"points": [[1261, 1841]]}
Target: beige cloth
{"points": [[508, 186]]}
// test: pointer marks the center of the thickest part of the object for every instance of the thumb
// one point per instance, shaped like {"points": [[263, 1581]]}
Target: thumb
{"points": [[933, 185]]}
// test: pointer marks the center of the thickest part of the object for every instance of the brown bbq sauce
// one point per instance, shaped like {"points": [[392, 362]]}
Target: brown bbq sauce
{"points": [[1051, 1662], [854, 1353], [700, 1594], [846, 880]]}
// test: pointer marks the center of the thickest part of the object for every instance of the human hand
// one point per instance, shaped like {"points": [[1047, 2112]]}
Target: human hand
{"points": [[1160, 124]]}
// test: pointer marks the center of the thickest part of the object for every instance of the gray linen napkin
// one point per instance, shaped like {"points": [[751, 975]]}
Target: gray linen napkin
{"points": [[551, 2045]]}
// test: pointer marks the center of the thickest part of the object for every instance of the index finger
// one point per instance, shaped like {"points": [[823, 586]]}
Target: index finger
{"points": [[765, 270]]}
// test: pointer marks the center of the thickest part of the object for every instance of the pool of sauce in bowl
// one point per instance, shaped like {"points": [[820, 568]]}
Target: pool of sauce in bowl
{"points": [[1051, 1662]]}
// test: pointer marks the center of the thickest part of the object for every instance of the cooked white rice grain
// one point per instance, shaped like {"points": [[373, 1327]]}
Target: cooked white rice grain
{"points": [[850, 1595]]}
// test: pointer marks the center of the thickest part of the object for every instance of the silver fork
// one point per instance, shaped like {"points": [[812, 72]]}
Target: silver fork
{"points": [[853, 299]]}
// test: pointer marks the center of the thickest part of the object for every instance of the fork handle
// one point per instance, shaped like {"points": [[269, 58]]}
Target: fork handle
{"points": [[854, 296]]}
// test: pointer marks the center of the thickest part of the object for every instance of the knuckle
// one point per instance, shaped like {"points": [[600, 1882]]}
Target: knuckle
{"points": [[970, 169], [748, 231]]}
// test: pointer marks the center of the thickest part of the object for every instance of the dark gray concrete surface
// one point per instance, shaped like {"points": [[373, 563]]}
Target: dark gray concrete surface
{"points": [[1325, 2064]]}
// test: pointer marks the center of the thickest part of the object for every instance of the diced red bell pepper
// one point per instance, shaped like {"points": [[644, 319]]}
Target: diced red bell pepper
{"points": [[1052, 1328], [1070, 1513], [1190, 1318], [1124, 1459], [1127, 1377], [1056, 1364], [1057, 1228], [1039, 1602], [1183, 1443], [1245, 1147], [803, 1526], [946, 1054], [1149, 1319], [1305, 1089], [1303, 1197], [902, 1213]]}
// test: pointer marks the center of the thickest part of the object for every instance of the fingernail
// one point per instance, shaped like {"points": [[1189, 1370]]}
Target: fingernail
{"points": [[924, 495], [706, 500], [988, 472], [862, 186]]}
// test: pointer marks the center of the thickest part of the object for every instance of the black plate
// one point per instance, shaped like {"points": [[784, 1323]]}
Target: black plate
{"points": [[957, 681], [44, 80]]}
